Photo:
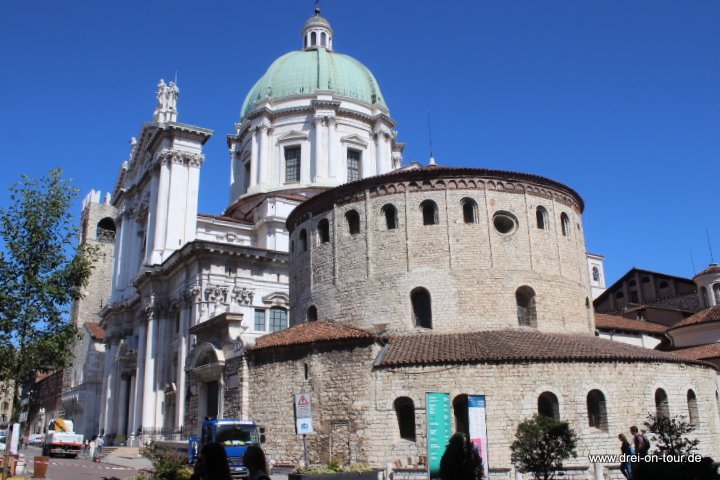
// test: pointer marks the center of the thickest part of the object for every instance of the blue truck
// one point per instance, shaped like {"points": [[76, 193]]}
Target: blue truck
{"points": [[234, 435]]}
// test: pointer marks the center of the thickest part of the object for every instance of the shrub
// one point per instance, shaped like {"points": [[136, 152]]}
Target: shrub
{"points": [[333, 467], [166, 466], [541, 444]]}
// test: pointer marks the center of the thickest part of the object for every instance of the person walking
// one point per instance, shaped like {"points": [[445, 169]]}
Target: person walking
{"points": [[212, 463], [627, 451], [91, 449], [254, 460], [99, 444]]}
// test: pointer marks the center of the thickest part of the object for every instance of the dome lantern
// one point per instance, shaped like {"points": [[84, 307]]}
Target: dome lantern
{"points": [[317, 33]]}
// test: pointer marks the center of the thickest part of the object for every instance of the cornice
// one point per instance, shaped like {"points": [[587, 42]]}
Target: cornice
{"points": [[438, 179]]}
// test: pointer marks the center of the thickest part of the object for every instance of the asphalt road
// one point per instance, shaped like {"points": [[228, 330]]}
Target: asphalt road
{"points": [[79, 468]]}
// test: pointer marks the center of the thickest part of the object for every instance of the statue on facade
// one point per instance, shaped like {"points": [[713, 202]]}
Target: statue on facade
{"points": [[167, 98]]}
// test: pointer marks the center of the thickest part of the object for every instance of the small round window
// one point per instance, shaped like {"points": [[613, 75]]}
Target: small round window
{"points": [[505, 222]]}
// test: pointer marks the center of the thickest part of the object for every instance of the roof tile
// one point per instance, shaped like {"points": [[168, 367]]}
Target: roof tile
{"points": [[701, 352], [311, 332], [710, 314], [96, 331], [615, 322], [511, 346]]}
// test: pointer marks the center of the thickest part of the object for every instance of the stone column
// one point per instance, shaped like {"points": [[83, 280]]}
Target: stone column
{"points": [[148, 397], [254, 157], [264, 153], [106, 385], [132, 424], [181, 356], [332, 147], [319, 158], [379, 153], [139, 378], [112, 392], [122, 408], [161, 217]]}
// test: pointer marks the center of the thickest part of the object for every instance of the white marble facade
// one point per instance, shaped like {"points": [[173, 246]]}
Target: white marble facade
{"points": [[176, 268]]}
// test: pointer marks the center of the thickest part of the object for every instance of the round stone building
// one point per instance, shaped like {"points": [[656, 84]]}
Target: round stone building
{"points": [[465, 282]]}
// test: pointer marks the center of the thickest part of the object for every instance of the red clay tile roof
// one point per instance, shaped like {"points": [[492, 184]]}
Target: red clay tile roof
{"points": [[96, 331], [614, 322], [701, 352], [311, 332], [710, 314], [511, 346]]}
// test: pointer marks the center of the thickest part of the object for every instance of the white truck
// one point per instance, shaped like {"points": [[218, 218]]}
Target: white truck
{"points": [[61, 440]]}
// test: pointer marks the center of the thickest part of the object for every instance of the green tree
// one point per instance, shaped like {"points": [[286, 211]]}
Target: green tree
{"points": [[676, 454], [541, 444], [42, 272]]}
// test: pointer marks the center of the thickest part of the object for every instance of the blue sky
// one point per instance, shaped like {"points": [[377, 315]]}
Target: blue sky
{"points": [[618, 99]]}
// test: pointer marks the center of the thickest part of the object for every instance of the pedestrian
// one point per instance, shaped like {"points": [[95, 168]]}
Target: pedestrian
{"points": [[642, 447], [91, 449], [254, 461], [99, 444], [212, 463], [85, 448], [627, 451]]}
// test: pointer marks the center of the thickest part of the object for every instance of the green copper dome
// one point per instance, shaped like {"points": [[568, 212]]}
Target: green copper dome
{"points": [[305, 72]]}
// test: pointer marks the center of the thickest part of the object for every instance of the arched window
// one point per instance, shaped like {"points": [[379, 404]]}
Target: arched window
{"points": [[587, 302], [541, 216], [323, 39], [305, 42], [662, 409], [632, 283], [421, 307], [548, 405], [527, 313], [5, 406], [596, 274], [469, 208], [565, 223], [313, 39], [391, 219], [597, 410], [704, 299], [303, 240], [353, 221], [278, 319], [716, 291], [461, 412], [405, 411], [693, 416], [311, 313], [323, 231], [429, 212], [663, 285], [105, 231], [619, 295]]}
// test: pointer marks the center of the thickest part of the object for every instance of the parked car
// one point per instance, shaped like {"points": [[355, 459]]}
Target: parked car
{"points": [[36, 439]]}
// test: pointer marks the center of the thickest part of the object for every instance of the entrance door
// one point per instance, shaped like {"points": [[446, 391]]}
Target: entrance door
{"points": [[212, 390]]}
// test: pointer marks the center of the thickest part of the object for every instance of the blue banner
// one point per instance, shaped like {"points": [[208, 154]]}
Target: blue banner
{"points": [[478, 427]]}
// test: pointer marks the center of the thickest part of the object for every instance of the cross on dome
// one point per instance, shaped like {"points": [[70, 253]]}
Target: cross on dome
{"points": [[317, 32]]}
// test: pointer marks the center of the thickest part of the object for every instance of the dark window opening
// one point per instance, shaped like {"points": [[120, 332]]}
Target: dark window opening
{"points": [[565, 223], [312, 313], [693, 416], [526, 309], [391, 220], [469, 208], [353, 221], [541, 217], [429, 212], [662, 409], [421, 307], [548, 405], [105, 231], [323, 230], [405, 411], [597, 410]]}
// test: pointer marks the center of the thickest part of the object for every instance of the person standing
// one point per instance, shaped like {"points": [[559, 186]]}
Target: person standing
{"points": [[627, 451], [212, 463], [254, 460], [99, 443], [91, 449]]}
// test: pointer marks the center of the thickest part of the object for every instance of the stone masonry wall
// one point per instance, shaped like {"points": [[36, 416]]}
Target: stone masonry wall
{"points": [[471, 270], [346, 390]]}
